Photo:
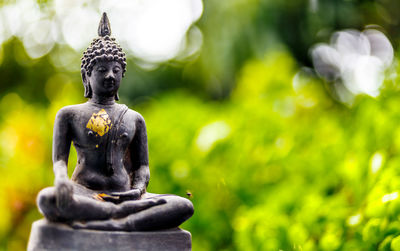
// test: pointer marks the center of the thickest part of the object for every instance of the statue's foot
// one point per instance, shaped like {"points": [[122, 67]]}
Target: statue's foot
{"points": [[131, 207], [109, 225]]}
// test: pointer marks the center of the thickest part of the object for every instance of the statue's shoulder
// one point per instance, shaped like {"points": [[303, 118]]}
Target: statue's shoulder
{"points": [[67, 112], [134, 116]]}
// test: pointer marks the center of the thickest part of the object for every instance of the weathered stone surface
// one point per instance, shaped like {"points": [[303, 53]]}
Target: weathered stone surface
{"points": [[112, 155], [53, 236]]}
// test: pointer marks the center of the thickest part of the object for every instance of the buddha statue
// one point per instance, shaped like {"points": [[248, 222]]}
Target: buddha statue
{"points": [[107, 190]]}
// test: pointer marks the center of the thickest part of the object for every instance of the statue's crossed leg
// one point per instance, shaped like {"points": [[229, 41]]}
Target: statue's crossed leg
{"points": [[151, 212]]}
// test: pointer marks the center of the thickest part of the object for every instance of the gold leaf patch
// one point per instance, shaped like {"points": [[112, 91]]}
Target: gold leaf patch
{"points": [[99, 122]]}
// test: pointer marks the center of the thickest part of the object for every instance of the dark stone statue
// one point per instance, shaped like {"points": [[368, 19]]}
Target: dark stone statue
{"points": [[107, 190]]}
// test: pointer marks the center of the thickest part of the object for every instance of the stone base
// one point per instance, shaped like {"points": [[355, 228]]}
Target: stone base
{"points": [[53, 236]]}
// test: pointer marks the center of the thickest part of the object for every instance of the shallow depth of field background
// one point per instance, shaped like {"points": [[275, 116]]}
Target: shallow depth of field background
{"points": [[281, 148]]}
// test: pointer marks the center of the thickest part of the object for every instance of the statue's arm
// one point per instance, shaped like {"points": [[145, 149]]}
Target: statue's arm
{"points": [[61, 147], [140, 157]]}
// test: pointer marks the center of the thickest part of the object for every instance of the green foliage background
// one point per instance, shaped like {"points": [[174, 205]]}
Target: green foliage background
{"points": [[269, 167]]}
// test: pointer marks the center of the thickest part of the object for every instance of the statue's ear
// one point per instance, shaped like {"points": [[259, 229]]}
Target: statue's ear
{"points": [[83, 75], [86, 84]]}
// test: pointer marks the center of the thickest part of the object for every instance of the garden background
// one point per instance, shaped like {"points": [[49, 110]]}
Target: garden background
{"points": [[274, 153]]}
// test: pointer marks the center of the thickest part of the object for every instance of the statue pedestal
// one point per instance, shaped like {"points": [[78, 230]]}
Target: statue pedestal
{"points": [[53, 236]]}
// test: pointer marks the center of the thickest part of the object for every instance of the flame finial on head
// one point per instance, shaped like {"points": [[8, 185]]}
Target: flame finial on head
{"points": [[104, 26]]}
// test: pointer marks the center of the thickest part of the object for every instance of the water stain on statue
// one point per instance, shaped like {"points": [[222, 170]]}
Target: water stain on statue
{"points": [[99, 122]]}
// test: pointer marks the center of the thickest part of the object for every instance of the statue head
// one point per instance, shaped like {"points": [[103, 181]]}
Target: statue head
{"points": [[103, 48]]}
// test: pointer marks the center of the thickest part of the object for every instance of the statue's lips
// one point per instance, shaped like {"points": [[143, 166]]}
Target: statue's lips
{"points": [[109, 84]]}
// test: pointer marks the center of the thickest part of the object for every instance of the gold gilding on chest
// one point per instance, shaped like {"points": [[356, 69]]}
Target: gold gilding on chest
{"points": [[99, 122]]}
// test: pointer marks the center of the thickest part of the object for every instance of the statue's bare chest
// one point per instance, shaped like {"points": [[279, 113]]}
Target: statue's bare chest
{"points": [[95, 128]]}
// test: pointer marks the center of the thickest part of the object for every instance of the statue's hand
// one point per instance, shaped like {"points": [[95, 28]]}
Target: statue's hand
{"points": [[64, 190], [133, 194]]}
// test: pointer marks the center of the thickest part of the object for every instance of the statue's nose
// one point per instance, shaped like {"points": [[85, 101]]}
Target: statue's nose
{"points": [[110, 75]]}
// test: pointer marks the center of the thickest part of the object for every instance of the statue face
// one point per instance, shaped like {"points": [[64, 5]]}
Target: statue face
{"points": [[105, 78]]}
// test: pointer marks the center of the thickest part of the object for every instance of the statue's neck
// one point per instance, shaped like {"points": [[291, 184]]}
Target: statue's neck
{"points": [[102, 100]]}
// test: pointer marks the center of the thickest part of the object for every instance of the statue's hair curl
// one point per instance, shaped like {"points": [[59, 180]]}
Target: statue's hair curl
{"points": [[103, 48]]}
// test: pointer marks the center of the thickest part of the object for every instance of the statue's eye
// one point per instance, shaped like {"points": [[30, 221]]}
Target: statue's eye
{"points": [[101, 69], [116, 69]]}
